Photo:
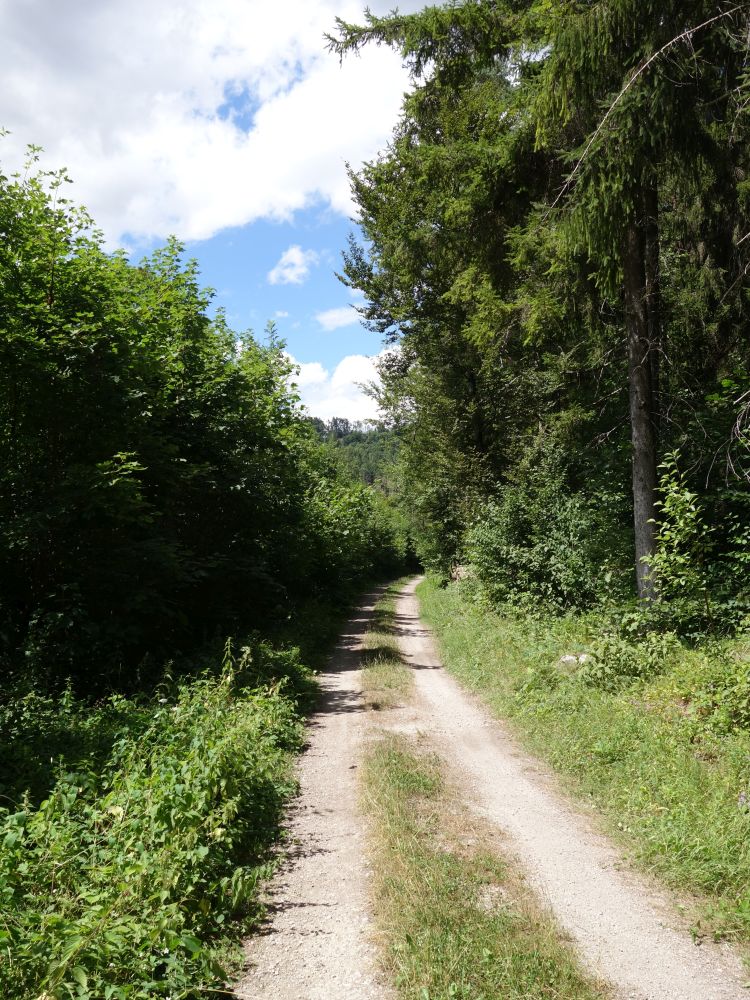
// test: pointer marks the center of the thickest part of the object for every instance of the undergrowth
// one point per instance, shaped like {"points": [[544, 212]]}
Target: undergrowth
{"points": [[654, 732], [123, 882]]}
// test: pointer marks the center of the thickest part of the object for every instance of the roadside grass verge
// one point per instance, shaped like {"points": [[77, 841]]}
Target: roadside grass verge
{"points": [[136, 874], [661, 756], [386, 682], [457, 922]]}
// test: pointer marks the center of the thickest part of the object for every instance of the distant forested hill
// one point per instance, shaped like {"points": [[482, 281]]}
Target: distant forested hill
{"points": [[364, 452]]}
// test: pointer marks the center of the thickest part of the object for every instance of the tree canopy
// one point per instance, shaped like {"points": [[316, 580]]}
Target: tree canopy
{"points": [[159, 484], [555, 237]]}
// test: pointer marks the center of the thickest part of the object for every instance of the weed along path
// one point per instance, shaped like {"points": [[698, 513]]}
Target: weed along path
{"points": [[625, 931], [317, 943]]}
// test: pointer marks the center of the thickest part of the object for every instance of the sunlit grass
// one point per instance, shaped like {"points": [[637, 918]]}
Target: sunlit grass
{"points": [[386, 682], [671, 789], [456, 919]]}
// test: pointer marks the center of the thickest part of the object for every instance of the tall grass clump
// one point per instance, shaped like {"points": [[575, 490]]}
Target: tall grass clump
{"points": [[121, 883]]}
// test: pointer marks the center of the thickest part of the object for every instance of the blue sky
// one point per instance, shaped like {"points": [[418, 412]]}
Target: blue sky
{"points": [[237, 263], [286, 272], [227, 124]]}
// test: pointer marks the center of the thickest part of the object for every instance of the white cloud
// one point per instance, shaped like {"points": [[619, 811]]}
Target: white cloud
{"points": [[293, 266], [339, 393], [189, 117], [281, 314], [333, 319], [312, 373]]}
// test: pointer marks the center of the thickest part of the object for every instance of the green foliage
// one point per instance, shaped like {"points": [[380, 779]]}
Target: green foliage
{"points": [[729, 572], [122, 882], [547, 548], [158, 484], [702, 556], [613, 661], [42, 735], [335, 516], [543, 540], [681, 537], [365, 454], [720, 700], [535, 138]]}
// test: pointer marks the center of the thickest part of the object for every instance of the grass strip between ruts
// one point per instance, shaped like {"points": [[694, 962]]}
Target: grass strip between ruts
{"points": [[386, 681], [456, 920]]}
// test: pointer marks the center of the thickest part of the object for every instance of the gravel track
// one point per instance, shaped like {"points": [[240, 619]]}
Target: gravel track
{"points": [[626, 931], [318, 942]]}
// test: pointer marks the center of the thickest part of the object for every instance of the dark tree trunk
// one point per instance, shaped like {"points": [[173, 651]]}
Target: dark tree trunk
{"points": [[653, 302], [641, 404]]}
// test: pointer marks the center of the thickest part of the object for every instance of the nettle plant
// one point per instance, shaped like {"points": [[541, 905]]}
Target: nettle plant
{"points": [[683, 540], [701, 566]]}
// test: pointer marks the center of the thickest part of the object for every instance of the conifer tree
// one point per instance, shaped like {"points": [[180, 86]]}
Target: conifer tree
{"points": [[636, 107], [666, 72]]}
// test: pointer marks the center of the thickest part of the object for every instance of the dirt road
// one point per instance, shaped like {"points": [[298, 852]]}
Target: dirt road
{"points": [[625, 930], [319, 944]]}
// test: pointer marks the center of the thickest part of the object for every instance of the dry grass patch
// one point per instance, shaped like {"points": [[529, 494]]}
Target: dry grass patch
{"points": [[457, 919], [386, 681]]}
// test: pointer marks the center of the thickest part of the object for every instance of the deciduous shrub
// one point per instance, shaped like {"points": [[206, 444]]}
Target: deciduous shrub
{"points": [[119, 884], [702, 561], [551, 545], [159, 484]]}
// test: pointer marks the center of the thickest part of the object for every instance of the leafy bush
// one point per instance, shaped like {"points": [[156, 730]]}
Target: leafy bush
{"points": [[351, 535], [702, 559], [682, 536], [719, 697], [615, 661], [729, 567], [41, 735], [159, 485], [120, 883], [550, 546]]}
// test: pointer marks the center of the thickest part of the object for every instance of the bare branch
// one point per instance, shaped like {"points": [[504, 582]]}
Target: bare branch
{"points": [[687, 34]]}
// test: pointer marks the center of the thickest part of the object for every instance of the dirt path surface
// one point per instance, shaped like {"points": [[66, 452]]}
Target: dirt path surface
{"points": [[624, 929], [317, 943]]}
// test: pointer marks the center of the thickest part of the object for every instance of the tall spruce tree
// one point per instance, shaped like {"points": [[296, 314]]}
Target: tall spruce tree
{"points": [[666, 73], [635, 106]]}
